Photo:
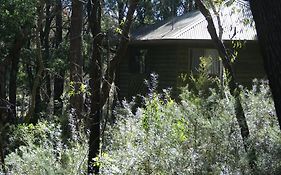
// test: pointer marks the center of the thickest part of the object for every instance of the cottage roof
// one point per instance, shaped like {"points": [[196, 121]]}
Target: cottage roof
{"points": [[236, 20]]}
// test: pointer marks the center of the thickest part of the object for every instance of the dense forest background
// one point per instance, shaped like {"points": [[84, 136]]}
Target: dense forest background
{"points": [[59, 114]]}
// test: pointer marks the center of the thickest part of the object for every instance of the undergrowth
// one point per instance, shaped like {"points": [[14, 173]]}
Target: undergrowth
{"points": [[198, 135], [195, 134]]}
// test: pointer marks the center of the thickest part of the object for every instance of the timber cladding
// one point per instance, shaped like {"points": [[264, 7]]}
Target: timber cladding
{"points": [[170, 60]]}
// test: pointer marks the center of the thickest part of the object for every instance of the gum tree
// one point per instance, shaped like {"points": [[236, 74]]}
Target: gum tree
{"points": [[232, 83], [267, 17], [100, 85]]}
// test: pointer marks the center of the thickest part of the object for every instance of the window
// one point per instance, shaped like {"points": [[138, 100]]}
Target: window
{"points": [[137, 61], [215, 67], [195, 55]]}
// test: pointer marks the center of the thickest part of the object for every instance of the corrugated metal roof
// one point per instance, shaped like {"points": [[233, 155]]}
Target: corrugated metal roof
{"points": [[194, 26]]}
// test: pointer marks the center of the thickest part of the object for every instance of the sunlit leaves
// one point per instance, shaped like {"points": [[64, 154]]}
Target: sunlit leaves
{"points": [[187, 137], [42, 151]]}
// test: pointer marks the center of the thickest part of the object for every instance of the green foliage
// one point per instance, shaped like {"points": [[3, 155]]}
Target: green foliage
{"points": [[165, 137], [202, 84], [40, 150], [260, 112], [236, 47], [197, 135], [59, 57], [77, 88], [142, 138], [15, 15]]}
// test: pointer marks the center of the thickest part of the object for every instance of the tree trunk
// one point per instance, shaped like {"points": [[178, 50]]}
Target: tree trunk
{"points": [[75, 58], [58, 34], [28, 67], [3, 110], [14, 57], [46, 45], [233, 86], [58, 91], [95, 84], [59, 79], [2, 153], [100, 91], [267, 17], [3, 102], [40, 65], [121, 51], [7, 108]]}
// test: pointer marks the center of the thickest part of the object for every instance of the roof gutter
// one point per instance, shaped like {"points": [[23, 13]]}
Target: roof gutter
{"points": [[207, 43]]}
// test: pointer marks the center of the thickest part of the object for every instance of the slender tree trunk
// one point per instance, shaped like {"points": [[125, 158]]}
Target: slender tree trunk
{"points": [[38, 104], [3, 107], [28, 67], [121, 51], [216, 12], [14, 57], [2, 153], [59, 79], [58, 33], [75, 58], [46, 45], [100, 91], [7, 108], [233, 86], [40, 65], [58, 91], [94, 11], [3, 111], [267, 17]]}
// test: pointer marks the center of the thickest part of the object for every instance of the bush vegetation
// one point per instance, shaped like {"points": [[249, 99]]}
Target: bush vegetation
{"points": [[195, 134], [198, 135], [42, 151]]}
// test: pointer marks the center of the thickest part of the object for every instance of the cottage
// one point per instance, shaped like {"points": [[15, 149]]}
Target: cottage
{"points": [[173, 47]]}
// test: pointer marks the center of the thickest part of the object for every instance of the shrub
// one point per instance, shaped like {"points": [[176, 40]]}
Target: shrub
{"points": [[42, 151], [197, 134], [191, 137]]}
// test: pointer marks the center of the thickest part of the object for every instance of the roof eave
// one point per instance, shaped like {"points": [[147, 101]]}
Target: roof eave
{"points": [[185, 42]]}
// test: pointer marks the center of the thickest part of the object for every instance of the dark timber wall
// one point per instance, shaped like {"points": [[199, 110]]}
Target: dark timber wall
{"points": [[170, 60], [249, 65]]}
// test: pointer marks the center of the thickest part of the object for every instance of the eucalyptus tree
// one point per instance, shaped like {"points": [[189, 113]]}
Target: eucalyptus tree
{"points": [[267, 17], [30, 116], [232, 83], [16, 21], [59, 78], [75, 58], [94, 15], [100, 83]]}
